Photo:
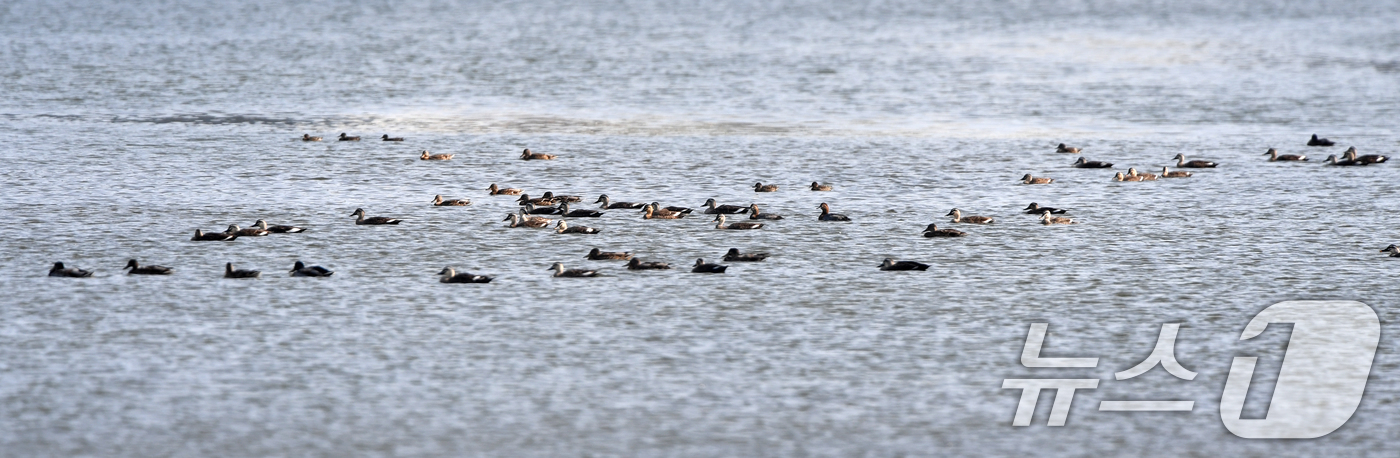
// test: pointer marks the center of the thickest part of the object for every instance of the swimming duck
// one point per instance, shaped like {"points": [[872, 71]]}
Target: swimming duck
{"points": [[759, 187], [378, 220], [608, 204], [519, 220], [933, 231], [599, 255], [820, 187], [550, 195], [426, 156], [703, 268], [1141, 176], [387, 138], [1332, 160], [1028, 179], [563, 228], [499, 191], [309, 138], [525, 199], [438, 201], [1174, 174], [581, 213], [650, 212], [249, 232], [737, 226], [715, 209], [1035, 208], [1087, 164], [559, 271], [637, 264], [1314, 141], [137, 269], [59, 271], [347, 138], [1367, 159], [1065, 149], [1275, 156], [301, 270], [201, 236], [1047, 220], [1392, 249], [671, 208], [755, 214], [260, 224], [1120, 176], [827, 215], [531, 209], [527, 155], [733, 255], [229, 272], [959, 218], [1181, 162], [450, 275], [891, 264]]}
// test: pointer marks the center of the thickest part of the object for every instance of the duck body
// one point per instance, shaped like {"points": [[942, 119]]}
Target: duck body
{"points": [[1332, 160], [892, 265], [1087, 164], [519, 220], [760, 187], [1065, 149], [933, 231], [531, 209], [230, 272], [1047, 220], [1314, 141], [374, 221], [450, 275], [249, 232], [733, 255], [302, 270], [609, 204], [713, 208], [754, 213], [201, 236], [1141, 176], [599, 255], [1181, 162], [347, 138], [564, 228], [581, 213], [529, 156], [1368, 159], [560, 271], [637, 264], [827, 215], [137, 269], [549, 195], [499, 191], [702, 267], [260, 224], [1274, 156], [525, 199], [426, 156], [959, 218], [672, 208], [1175, 174], [1035, 208], [1120, 176], [58, 270], [820, 187], [438, 201], [651, 212], [1028, 179], [387, 138], [309, 138], [720, 219]]}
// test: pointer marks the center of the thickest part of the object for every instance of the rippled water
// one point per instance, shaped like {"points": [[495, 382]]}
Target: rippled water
{"points": [[130, 125]]}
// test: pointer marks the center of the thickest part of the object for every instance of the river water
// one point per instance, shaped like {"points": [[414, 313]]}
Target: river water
{"points": [[128, 125]]}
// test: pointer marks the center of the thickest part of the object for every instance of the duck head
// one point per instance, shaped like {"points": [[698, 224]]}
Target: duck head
{"points": [[297, 266], [358, 212], [131, 264]]}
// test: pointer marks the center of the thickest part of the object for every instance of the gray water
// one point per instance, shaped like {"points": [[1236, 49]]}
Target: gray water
{"points": [[129, 125]]}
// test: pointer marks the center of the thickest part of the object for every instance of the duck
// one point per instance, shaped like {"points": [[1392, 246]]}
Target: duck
{"points": [[309, 138], [1367, 159], [755, 214], [519, 220], [1275, 156], [609, 204], [1174, 174], [531, 209], [1028, 179], [1314, 141], [703, 268], [1392, 249], [550, 195], [672, 208], [229, 272], [1120, 176], [249, 232], [890, 264], [1332, 160], [438, 201], [827, 215], [1181, 162], [733, 255], [959, 218], [637, 264], [1065, 149], [301, 270], [201, 236], [820, 187], [933, 231], [713, 208], [529, 156], [760, 187], [650, 212], [1035, 208], [377, 220], [450, 275], [1141, 176], [137, 269], [347, 138], [559, 271], [1047, 220], [426, 156], [563, 228], [737, 226], [58, 270], [599, 255], [499, 191], [581, 213], [525, 199], [260, 224], [1087, 164], [387, 138]]}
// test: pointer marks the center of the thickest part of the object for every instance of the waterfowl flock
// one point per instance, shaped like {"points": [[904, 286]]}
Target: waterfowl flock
{"points": [[558, 205]]}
